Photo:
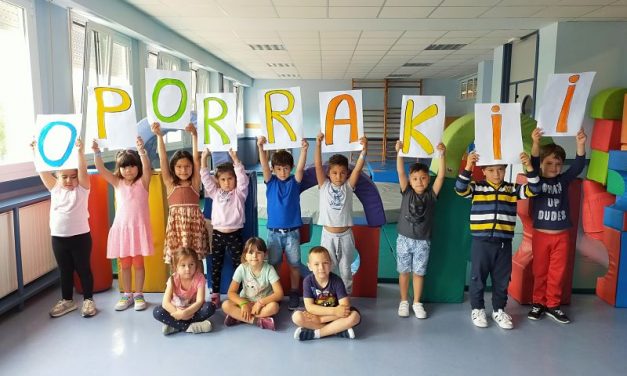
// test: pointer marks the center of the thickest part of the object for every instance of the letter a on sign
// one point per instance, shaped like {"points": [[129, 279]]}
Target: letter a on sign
{"points": [[341, 120], [498, 138], [422, 124], [564, 103], [281, 115]]}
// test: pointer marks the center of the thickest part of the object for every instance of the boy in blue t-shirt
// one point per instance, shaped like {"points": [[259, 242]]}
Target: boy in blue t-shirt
{"points": [[328, 309], [283, 203]]}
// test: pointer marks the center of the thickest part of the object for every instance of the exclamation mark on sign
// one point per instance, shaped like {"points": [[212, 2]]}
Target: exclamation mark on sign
{"points": [[562, 121], [497, 121]]}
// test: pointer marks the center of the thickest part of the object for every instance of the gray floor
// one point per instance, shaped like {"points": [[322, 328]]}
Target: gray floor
{"points": [[131, 343]]}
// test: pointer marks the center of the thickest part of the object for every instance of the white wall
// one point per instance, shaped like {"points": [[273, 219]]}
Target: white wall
{"points": [[450, 89], [497, 75], [484, 81]]}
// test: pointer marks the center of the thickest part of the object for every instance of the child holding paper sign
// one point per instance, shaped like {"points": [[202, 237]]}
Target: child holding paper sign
{"points": [[228, 190], [336, 207], [71, 238], [181, 177], [492, 222], [130, 237], [414, 226], [551, 224]]}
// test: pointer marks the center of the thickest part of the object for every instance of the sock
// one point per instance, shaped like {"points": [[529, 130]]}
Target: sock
{"points": [[317, 333]]}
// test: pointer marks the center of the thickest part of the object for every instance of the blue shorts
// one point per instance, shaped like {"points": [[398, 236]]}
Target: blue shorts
{"points": [[412, 255], [288, 241]]}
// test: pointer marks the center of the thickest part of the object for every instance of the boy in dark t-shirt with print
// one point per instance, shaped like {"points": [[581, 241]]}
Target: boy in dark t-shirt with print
{"points": [[551, 224], [328, 310]]}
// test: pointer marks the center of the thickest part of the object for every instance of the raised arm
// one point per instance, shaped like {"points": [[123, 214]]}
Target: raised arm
{"points": [[359, 166], [47, 178], [536, 134], [146, 165], [439, 179], [302, 160], [263, 159], [320, 175], [100, 166], [400, 167], [196, 177], [463, 186], [242, 178], [163, 157], [580, 160], [533, 186], [83, 175]]}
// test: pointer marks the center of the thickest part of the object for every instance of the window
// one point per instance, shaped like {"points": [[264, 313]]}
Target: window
{"points": [[468, 88], [17, 104]]}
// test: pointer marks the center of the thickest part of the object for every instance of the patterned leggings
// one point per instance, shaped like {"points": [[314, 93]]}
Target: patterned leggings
{"points": [[205, 311], [220, 243]]}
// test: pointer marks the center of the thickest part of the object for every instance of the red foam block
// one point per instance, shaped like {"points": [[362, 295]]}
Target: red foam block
{"points": [[607, 284], [606, 135], [595, 199]]}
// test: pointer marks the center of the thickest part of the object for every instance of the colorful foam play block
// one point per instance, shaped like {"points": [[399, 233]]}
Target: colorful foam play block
{"points": [[608, 103], [597, 170], [616, 182], [606, 285], [615, 218], [595, 198], [623, 133], [621, 283], [617, 160], [606, 135]]}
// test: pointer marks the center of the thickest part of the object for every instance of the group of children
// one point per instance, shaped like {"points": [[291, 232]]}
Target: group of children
{"points": [[255, 291]]}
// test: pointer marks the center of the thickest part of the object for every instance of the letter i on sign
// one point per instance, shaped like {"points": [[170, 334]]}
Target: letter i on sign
{"points": [[497, 121], [562, 121]]}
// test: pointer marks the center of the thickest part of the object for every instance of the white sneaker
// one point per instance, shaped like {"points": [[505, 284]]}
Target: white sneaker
{"points": [[479, 318], [403, 309], [503, 319], [199, 327], [419, 310]]}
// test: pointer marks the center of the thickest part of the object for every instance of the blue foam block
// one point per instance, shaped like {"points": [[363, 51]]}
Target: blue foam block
{"points": [[621, 202], [615, 218], [618, 160], [621, 288]]}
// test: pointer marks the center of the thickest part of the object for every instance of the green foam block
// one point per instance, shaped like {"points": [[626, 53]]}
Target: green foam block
{"points": [[616, 182], [597, 170], [608, 104]]}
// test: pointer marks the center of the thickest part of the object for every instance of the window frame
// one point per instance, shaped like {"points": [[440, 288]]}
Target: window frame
{"points": [[20, 170]]}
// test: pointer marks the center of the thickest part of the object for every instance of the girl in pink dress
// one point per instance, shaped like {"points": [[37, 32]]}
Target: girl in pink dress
{"points": [[181, 177], [130, 236]]}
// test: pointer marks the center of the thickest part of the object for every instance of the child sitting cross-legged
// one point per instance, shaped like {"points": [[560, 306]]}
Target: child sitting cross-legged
{"points": [[327, 306]]}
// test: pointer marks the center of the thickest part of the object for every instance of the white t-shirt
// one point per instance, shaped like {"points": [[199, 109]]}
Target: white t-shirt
{"points": [[336, 205], [68, 211]]}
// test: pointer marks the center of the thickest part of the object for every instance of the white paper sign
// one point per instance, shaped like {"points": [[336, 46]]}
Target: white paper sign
{"points": [[422, 125], [498, 139], [55, 141], [564, 103], [168, 96], [111, 112], [341, 120], [281, 114], [217, 118]]}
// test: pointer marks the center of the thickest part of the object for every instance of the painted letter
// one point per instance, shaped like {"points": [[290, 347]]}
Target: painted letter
{"points": [[411, 123], [497, 121], [562, 121], [155, 99], [331, 121], [42, 137], [101, 108], [271, 114], [211, 122]]}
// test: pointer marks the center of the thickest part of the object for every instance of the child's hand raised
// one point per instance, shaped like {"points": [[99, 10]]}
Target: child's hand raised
{"points": [[581, 137], [205, 153], [304, 144], [139, 142], [191, 129], [319, 138], [94, 146], [32, 145], [261, 140], [364, 143], [442, 149], [472, 160], [536, 135], [80, 146], [156, 129], [524, 159], [398, 146], [233, 155]]}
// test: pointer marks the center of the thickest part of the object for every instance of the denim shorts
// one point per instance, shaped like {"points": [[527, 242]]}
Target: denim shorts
{"points": [[412, 255], [288, 241]]}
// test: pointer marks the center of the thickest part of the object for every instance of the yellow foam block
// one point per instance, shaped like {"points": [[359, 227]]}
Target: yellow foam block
{"points": [[157, 272]]}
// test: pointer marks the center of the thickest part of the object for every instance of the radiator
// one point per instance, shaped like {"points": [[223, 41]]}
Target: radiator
{"points": [[37, 256], [8, 274]]}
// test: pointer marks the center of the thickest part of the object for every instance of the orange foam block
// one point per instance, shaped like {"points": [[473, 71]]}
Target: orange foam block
{"points": [[606, 135], [595, 199], [99, 227], [367, 243], [607, 284]]}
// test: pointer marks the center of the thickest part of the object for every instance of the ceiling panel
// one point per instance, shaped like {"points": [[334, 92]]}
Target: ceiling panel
{"points": [[458, 12], [405, 12], [353, 12], [302, 12]]}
